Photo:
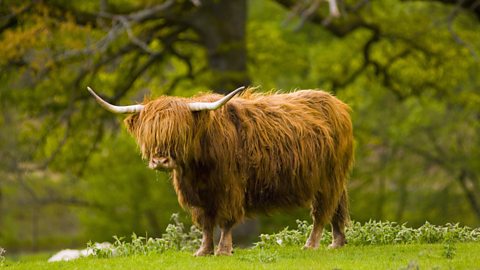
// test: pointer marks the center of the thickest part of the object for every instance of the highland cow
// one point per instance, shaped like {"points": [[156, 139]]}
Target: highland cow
{"points": [[231, 157]]}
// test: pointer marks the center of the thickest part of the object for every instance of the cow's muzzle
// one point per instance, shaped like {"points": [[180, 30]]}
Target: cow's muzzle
{"points": [[161, 163]]}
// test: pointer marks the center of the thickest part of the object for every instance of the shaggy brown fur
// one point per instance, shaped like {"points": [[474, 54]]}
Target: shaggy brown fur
{"points": [[256, 153]]}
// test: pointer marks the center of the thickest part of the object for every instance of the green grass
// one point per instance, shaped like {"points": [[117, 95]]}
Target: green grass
{"points": [[372, 245], [401, 256]]}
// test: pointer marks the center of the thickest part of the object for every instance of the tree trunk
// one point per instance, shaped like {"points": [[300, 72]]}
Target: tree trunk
{"points": [[402, 198], [472, 195], [221, 25]]}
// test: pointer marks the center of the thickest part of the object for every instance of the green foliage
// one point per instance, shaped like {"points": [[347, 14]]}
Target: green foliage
{"points": [[449, 247], [176, 237], [449, 250], [377, 233], [286, 237], [2, 257]]}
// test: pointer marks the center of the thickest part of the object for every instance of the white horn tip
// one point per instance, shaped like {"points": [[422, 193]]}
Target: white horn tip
{"points": [[91, 91]]}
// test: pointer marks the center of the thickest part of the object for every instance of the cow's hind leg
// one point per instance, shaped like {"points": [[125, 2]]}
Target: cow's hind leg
{"points": [[225, 246], [322, 212], [339, 221]]}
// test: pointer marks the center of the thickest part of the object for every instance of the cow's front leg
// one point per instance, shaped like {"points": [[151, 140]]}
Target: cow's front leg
{"points": [[207, 239], [315, 236], [225, 246]]}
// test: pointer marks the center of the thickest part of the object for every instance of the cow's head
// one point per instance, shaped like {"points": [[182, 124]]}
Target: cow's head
{"points": [[163, 126]]}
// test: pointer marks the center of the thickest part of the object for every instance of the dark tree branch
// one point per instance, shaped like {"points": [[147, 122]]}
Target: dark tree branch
{"points": [[450, 20], [65, 201], [122, 89], [367, 61], [473, 196], [350, 22], [96, 140], [11, 20], [467, 5]]}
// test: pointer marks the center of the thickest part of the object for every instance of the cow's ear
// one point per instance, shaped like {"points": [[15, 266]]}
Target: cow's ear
{"points": [[131, 122]]}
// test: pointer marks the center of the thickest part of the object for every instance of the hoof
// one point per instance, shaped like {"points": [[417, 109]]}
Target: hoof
{"points": [[336, 245], [203, 252], [312, 247], [223, 252], [310, 244]]}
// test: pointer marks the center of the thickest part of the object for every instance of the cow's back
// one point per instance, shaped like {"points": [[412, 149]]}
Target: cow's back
{"points": [[289, 144]]}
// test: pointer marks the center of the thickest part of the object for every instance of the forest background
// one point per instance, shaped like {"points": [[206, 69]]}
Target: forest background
{"points": [[69, 172]]}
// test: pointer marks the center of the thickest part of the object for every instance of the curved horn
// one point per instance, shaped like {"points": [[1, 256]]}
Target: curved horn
{"points": [[113, 108], [202, 106]]}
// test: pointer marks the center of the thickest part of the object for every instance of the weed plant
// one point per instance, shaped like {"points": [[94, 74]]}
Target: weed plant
{"points": [[176, 237], [2, 258], [376, 233]]}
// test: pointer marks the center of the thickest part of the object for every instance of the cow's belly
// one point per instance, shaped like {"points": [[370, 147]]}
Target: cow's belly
{"points": [[269, 195]]}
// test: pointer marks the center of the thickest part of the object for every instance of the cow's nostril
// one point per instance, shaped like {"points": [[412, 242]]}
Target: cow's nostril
{"points": [[152, 164], [164, 161]]}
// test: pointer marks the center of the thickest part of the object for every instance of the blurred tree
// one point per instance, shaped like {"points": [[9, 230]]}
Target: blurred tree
{"points": [[409, 69]]}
